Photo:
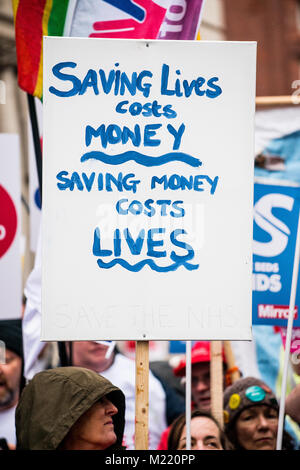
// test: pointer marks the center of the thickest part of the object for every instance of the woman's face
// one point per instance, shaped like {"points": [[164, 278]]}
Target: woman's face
{"points": [[94, 429], [205, 435], [256, 428]]}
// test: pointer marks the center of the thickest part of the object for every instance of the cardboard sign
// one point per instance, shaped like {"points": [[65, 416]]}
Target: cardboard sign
{"points": [[276, 209], [10, 249], [148, 181]]}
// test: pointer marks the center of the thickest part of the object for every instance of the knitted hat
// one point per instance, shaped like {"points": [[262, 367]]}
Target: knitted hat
{"points": [[243, 394], [11, 335], [200, 353]]}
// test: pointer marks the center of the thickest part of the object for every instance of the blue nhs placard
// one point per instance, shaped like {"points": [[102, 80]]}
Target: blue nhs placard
{"points": [[178, 347], [276, 209]]}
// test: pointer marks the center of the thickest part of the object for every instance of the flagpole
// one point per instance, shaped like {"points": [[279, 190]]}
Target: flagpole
{"points": [[188, 392], [65, 360], [36, 140], [288, 338], [69, 17]]}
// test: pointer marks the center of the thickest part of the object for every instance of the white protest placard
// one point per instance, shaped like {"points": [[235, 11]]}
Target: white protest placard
{"points": [[147, 189], [10, 224]]}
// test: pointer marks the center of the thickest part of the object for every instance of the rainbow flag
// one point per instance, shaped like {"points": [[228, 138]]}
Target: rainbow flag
{"points": [[33, 20], [94, 18]]}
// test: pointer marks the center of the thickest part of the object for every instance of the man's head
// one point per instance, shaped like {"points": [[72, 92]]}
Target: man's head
{"points": [[200, 385], [91, 355], [10, 372], [200, 374]]}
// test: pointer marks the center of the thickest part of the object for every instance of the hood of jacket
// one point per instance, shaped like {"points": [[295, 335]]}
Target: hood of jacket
{"points": [[54, 400]]}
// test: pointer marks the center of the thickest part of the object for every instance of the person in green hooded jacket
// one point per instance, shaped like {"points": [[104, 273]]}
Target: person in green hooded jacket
{"points": [[70, 408]]}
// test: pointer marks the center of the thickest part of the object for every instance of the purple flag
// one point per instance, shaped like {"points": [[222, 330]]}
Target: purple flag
{"points": [[182, 20]]}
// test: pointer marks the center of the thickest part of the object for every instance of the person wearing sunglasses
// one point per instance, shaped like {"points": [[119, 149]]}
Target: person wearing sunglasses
{"points": [[251, 414]]}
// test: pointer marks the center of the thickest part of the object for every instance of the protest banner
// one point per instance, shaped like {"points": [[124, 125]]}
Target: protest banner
{"points": [[275, 265], [293, 292], [141, 238], [118, 18], [182, 20], [10, 249], [136, 226], [276, 207], [277, 136]]}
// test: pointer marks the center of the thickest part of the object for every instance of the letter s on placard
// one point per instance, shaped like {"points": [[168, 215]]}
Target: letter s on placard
{"points": [[278, 231], [64, 76]]}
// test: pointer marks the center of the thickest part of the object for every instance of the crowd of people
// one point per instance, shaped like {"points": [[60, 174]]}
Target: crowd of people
{"points": [[91, 404]]}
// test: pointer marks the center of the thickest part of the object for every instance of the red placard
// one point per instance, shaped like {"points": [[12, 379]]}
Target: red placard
{"points": [[8, 221]]}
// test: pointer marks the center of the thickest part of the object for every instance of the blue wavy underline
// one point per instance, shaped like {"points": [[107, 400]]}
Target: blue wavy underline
{"points": [[138, 266], [141, 159]]}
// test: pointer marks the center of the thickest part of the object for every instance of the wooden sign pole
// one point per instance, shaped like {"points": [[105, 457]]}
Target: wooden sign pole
{"points": [[141, 394], [216, 380]]}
